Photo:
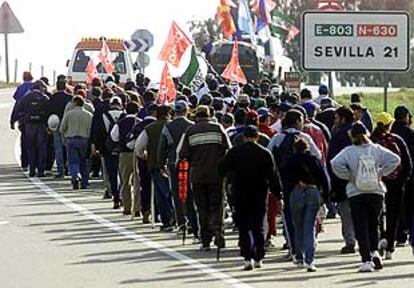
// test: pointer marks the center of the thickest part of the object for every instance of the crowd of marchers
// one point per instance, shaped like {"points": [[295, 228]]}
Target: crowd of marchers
{"points": [[251, 155]]}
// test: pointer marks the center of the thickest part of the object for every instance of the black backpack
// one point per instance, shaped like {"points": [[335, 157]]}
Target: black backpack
{"points": [[37, 113], [285, 151], [110, 145]]}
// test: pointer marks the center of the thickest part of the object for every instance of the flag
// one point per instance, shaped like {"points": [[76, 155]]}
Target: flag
{"points": [[271, 5], [245, 21], [233, 71], [263, 18], [192, 77], [91, 72], [167, 90], [105, 57], [175, 46], [280, 23], [293, 32], [224, 18]]}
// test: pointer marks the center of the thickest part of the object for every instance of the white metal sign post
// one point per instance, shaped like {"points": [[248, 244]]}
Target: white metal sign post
{"points": [[355, 41]]}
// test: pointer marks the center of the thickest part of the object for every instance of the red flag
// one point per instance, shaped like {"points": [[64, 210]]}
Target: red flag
{"points": [[293, 32], [167, 91], [105, 57], [224, 19], [233, 71], [91, 72], [175, 46]]}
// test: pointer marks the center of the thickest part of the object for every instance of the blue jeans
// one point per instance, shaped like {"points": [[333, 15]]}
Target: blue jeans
{"points": [[76, 150], [36, 146], [58, 145], [304, 206], [163, 197]]}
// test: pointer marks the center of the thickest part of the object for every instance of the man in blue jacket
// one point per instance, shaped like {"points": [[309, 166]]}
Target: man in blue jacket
{"points": [[32, 110]]}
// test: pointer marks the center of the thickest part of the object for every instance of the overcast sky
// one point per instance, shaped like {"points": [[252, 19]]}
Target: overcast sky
{"points": [[52, 28]]}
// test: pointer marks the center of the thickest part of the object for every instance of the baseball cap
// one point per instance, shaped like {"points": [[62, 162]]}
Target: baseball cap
{"points": [[323, 89], [115, 99], [384, 118], [180, 106]]}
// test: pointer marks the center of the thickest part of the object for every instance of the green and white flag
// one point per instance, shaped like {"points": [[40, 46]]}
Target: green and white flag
{"points": [[280, 23], [193, 77]]}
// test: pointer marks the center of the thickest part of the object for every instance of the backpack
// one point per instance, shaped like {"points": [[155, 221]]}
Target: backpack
{"points": [[110, 145], [390, 142], [36, 110], [367, 177], [285, 151]]}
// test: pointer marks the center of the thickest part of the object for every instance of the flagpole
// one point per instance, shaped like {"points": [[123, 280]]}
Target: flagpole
{"points": [[215, 73]]}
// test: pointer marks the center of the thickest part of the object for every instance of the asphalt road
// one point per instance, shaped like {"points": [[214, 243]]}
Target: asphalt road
{"points": [[51, 236]]}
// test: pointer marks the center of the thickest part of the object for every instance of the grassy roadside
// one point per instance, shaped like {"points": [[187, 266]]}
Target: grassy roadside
{"points": [[7, 85], [375, 101]]}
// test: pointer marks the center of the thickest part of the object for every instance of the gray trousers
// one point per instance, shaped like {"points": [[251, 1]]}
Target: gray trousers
{"points": [[105, 178], [130, 182], [348, 231]]}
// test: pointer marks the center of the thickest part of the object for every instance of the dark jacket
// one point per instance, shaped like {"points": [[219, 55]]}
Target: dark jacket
{"points": [[255, 173], [58, 102], [204, 145], [340, 140], [327, 117], [307, 169], [125, 127], [406, 133], [101, 107], [22, 90], [170, 137], [32, 108], [154, 134], [406, 162]]}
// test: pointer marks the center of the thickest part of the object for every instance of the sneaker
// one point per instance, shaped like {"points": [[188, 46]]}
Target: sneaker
{"points": [[376, 258], [137, 214], [400, 244], [311, 267], [388, 255], [204, 248], [248, 265], [32, 174], [348, 249], [366, 267], [298, 262], [382, 245], [258, 264]]}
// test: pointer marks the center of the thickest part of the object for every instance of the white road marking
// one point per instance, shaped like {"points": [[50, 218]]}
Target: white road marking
{"points": [[4, 222], [225, 278]]}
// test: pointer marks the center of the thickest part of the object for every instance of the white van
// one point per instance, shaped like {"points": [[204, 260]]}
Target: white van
{"points": [[89, 48]]}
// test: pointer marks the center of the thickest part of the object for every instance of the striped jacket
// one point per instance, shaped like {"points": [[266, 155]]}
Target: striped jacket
{"points": [[204, 145]]}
